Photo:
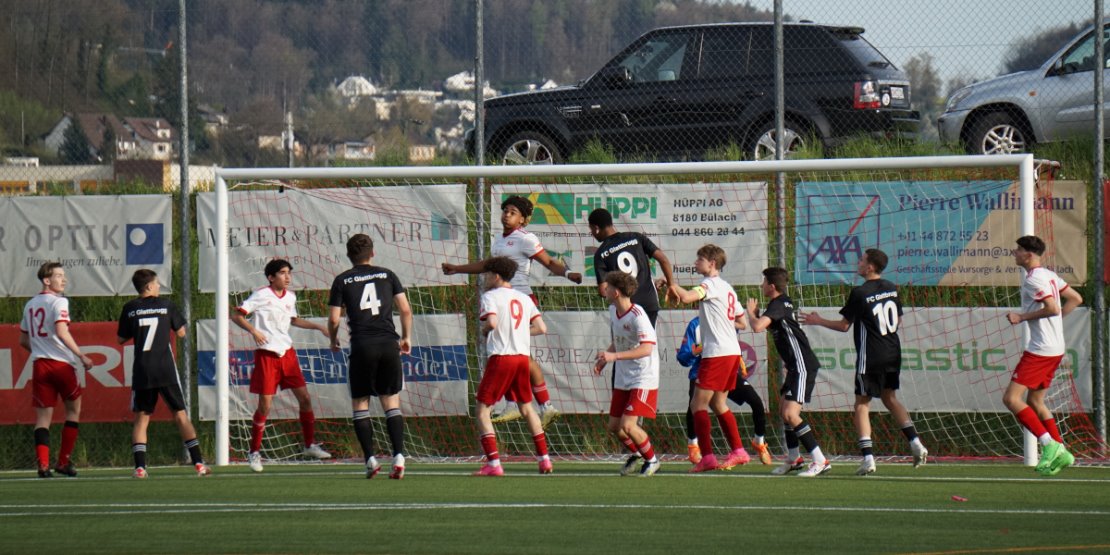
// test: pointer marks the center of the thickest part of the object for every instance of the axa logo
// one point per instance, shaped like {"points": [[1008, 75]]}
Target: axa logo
{"points": [[145, 244], [844, 247]]}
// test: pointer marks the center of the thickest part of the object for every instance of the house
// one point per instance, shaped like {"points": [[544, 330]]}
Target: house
{"points": [[135, 138], [153, 136]]}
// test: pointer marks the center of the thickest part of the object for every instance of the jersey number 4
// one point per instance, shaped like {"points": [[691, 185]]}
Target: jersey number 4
{"points": [[370, 299]]}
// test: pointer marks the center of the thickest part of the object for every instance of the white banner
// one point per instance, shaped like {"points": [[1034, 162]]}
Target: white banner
{"points": [[573, 339], [944, 368], [101, 240], [678, 218], [415, 229], [435, 373]]}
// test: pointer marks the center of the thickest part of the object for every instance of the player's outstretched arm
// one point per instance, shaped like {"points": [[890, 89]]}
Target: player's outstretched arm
{"points": [[557, 267], [687, 296], [241, 321], [471, 268], [1049, 307], [814, 319], [757, 323], [310, 325], [665, 267]]}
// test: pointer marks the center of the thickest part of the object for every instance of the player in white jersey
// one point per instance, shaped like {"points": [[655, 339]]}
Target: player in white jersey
{"points": [[720, 317], [44, 331], [522, 247], [635, 372], [509, 320], [1045, 300], [273, 309]]}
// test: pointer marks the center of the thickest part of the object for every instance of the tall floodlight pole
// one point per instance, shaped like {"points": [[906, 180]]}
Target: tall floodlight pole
{"points": [[1100, 343], [183, 210], [780, 124]]}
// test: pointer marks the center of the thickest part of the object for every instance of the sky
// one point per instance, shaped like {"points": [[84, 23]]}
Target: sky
{"points": [[966, 38]]}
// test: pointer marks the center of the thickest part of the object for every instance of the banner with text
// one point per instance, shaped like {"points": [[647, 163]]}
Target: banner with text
{"points": [[101, 240], [943, 370], [435, 373], [415, 229], [936, 233], [107, 385], [678, 218]]}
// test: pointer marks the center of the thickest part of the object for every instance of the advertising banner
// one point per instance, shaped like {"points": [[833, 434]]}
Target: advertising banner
{"points": [[415, 229], [945, 370], [101, 241], [936, 233], [435, 373], [678, 218], [107, 385]]}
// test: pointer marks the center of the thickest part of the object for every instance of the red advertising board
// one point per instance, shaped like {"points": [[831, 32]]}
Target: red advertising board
{"points": [[107, 385]]}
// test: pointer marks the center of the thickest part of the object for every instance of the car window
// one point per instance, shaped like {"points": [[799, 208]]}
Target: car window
{"points": [[725, 53], [808, 50], [660, 58], [1081, 57]]}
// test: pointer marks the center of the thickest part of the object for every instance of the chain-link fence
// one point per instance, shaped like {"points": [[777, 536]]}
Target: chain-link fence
{"points": [[90, 94]]}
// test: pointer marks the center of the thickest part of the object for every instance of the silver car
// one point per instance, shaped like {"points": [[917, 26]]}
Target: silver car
{"points": [[1011, 113]]}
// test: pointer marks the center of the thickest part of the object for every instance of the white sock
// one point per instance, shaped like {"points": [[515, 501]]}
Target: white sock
{"points": [[917, 442], [793, 453], [494, 462], [692, 441], [1045, 439], [869, 458], [399, 460], [541, 458], [818, 456], [371, 462], [759, 440]]}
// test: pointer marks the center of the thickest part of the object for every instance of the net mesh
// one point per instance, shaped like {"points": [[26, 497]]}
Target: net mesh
{"points": [[949, 234]]}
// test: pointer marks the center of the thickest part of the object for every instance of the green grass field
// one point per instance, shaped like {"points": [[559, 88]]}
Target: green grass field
{"points": [[582, 508]]}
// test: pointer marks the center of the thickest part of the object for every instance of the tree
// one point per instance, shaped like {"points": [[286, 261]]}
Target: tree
{"points": [[925, 87], [75, 146], [108, 145], [1031, 51]]}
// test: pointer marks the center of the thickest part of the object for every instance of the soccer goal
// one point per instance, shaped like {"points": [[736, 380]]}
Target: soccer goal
{"points": [[947, 223]]}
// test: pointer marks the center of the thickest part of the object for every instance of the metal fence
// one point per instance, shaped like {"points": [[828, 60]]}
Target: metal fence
{"points": [[91, 94]]}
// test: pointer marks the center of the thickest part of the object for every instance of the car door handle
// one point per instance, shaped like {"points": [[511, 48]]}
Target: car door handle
{"points": [[753, 93]]}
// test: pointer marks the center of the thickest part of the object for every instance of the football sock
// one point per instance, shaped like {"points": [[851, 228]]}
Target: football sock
{"points": [[540, 440], [540, 393], [705, 431], [138, 450], [909, 431], [791, 443], [1050, 426], [364, 431], [258, 423], [1028, 418], [865, 447], [42, 446], [646, 450], [308, 427], [809, 440], [629, 444], [395, 426], [691, 430], [728, 424], [489, 447], [69, 440], [758, 439], [194, 450]]}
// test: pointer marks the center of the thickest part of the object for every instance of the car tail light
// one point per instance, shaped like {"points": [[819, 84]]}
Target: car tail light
{"points": [[866, 97]]}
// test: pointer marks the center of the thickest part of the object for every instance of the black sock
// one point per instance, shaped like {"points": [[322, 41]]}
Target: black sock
{"points": [[139, 451], [865, 446], [194, 450], [910, 432], [690, 432], [364, 431], [42, 436], [806, 436], [791, 438], [395, 425]]}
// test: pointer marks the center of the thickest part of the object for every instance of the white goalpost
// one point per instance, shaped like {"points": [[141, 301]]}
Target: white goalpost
{"points": [[941, 219]]}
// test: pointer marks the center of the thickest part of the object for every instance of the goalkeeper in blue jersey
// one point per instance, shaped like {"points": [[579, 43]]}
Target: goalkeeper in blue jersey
{"points": [[689, 355]]}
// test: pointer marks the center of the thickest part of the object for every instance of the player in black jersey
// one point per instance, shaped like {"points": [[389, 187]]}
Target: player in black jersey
{"points": [[628, 251], [876, 312], [370, 294], [150, 320], [801, 372]]}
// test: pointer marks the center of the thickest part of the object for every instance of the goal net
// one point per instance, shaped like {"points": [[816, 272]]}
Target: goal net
{"points": [[947, 223]]}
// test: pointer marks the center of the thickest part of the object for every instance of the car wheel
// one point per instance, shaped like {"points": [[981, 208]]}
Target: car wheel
{"points": [[529, 147], [998, 133], [763, 147]]}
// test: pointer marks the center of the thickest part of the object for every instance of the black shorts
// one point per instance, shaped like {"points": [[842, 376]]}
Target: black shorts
{"points": [[146, 400], [375, 368], [798, 385], [877, 378]]}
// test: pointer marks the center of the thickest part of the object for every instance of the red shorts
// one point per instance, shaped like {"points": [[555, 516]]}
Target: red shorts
{"points": [[633, 402], [271, 371], [718, 373], [1036, 371], [50, 379], [505, 374]]}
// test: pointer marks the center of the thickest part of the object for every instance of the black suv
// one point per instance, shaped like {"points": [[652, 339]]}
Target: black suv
{"points": [[678, 92]]}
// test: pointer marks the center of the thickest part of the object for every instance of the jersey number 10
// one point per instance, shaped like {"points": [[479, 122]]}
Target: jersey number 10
{"points": [[886, 314]]}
